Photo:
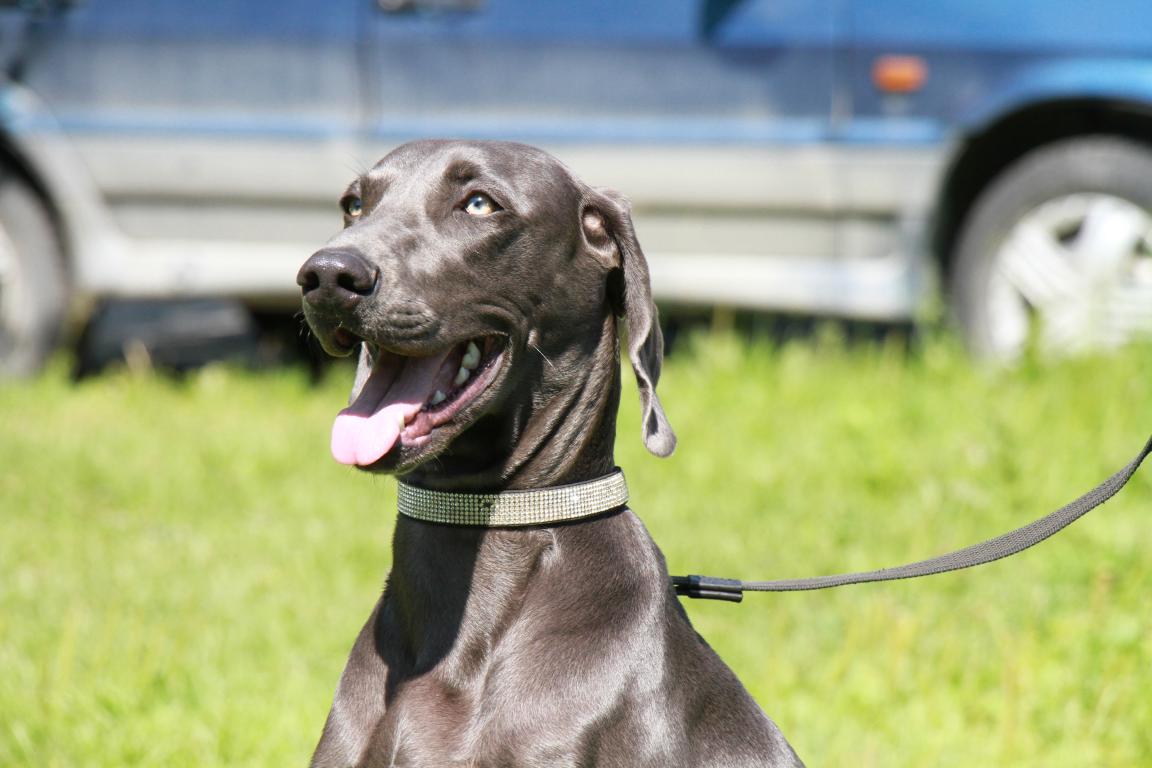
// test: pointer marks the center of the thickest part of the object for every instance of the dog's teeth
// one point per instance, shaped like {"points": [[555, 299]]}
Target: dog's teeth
{"points": [[461, 376], [438, 398], [471, 356]]}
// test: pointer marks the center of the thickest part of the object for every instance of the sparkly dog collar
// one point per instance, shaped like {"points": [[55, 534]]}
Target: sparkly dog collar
{"points": [[538, 506]]}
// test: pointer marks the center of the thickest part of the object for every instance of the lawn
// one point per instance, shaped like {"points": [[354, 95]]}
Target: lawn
{"points": [[183, 568]]}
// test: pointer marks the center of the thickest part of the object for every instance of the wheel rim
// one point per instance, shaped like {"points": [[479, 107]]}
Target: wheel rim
{"points": [[1072, 274]]}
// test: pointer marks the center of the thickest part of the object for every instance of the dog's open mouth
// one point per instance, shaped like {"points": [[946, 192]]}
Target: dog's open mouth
{"points": [[406, 397]]}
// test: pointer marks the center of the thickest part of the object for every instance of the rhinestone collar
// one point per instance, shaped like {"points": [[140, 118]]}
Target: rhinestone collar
{"points": [[538, 506]]}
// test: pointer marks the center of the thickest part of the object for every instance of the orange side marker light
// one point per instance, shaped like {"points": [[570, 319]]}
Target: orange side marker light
{"points": [[899, 74]]}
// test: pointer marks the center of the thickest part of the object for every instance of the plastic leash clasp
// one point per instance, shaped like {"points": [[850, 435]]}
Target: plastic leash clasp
{"points": [[709, 588]]}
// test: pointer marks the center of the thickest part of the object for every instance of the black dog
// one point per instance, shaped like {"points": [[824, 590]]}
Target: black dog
{"points": [[481, 284]]}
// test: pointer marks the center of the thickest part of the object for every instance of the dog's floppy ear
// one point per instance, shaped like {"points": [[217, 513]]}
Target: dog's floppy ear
{"points": [[607, 223]]}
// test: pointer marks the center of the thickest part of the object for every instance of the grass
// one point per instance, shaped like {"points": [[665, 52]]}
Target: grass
{"points": [[183, 568]]}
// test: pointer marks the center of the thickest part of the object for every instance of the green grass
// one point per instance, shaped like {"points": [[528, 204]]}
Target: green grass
{"points": [[183, 568]]}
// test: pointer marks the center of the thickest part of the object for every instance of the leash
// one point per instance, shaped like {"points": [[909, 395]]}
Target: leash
{"points": [[713, 588]]}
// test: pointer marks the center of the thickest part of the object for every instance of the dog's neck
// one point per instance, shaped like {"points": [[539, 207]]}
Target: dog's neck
{"points": [[435, 572], [561, 433], [455, 593]]}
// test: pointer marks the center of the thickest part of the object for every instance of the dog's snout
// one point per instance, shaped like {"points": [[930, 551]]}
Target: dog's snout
{"points": [[336, 277]]}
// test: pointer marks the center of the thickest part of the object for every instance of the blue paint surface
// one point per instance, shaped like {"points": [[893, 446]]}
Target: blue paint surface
{"points": [[754, 72]]}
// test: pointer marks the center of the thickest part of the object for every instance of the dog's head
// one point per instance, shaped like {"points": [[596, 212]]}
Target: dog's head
{"points": [[480, 283]]}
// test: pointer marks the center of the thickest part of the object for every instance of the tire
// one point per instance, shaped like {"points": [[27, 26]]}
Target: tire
{"points": [[1057, 252], [33, 282]]}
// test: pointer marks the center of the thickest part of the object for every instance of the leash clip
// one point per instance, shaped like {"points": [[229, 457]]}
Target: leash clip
{"points": [[709, 588]]}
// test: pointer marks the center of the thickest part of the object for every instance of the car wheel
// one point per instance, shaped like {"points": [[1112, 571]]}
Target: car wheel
{"points": [[1057, 252], [33, 287]]}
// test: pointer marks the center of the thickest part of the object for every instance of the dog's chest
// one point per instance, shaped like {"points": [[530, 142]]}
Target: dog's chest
{"points": [[431, 725], [526, 704]]}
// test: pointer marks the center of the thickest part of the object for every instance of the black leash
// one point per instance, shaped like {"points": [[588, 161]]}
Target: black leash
{"points": [[712, 588]]}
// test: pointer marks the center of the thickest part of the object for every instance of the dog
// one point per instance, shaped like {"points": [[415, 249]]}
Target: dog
{"points": [[482, 284]]}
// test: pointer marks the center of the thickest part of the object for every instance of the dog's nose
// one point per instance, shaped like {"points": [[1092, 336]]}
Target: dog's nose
{"points": [[336, 278]]}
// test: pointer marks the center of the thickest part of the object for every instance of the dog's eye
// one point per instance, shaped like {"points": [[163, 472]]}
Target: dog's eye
{"points": [[479, 204], [351, 206]]}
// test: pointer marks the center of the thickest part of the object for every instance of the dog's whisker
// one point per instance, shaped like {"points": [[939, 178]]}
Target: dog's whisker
{"points": [[550, 365]]}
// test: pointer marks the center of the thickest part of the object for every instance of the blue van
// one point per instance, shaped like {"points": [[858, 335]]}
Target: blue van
{"points": [[853, 158]]}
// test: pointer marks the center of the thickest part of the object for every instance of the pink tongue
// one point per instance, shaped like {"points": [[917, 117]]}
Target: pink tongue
{"points": [[366, 430]]}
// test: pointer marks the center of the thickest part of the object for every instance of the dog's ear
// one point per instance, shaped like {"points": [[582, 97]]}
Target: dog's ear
{"points": [[607, 224]]}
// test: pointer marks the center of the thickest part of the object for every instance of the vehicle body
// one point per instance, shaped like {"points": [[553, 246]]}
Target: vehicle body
{"points": [[198, 149]]}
